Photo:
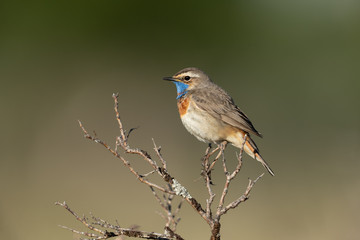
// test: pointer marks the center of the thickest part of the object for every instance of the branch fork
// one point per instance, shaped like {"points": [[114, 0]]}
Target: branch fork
{"points": [[171, 188]]}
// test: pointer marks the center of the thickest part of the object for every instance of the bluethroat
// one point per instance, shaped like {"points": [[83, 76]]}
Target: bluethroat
{"points": [[210, 114]]}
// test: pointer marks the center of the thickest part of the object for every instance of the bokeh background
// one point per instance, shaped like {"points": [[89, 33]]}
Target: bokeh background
{"points": [[292, 66]]}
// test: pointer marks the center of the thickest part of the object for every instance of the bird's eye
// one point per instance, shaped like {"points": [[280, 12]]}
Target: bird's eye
{"points": [[187, 78]]}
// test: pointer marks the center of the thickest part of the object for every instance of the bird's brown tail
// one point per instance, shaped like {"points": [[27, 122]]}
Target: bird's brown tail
{"points": [[251, 149]]}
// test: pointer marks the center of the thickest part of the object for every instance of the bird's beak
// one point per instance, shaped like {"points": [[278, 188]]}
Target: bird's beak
{"points": [[170, 79]]}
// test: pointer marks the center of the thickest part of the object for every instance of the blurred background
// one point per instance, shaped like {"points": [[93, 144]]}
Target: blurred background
{"points": [[292, 66]]}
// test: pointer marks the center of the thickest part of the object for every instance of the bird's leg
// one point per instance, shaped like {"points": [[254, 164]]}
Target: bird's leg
{"points": [[206, 172], [221, 147], [206, 166], [207, 151], [205, 158]]}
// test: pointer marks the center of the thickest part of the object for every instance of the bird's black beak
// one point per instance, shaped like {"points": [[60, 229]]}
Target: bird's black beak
{"points": [[169, 79]]}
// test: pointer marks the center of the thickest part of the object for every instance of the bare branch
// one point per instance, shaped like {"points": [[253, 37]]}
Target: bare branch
{"points": [[177, 188], [82, 220], [243, 198], [92, 235], [157, 150], [115, 230], [116, 108], [229, 178], [166, 205], [125, 162], [103, 229]]}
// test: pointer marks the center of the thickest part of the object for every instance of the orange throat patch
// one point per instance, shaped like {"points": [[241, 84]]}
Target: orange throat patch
{"points": [[183, 105]]}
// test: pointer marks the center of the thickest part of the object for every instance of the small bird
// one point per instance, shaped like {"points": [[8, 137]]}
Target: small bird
{"points": [[210, 114]]}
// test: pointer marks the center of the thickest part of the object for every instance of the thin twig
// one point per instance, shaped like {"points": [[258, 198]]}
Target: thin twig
{"points": [[157, 151], [82, 220], [115, 229], [243, 197], [229, 178], [116, 107], [125, 162]]}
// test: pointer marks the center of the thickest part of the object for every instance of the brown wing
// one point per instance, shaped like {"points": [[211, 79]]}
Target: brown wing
{"points": [[220, 105]]}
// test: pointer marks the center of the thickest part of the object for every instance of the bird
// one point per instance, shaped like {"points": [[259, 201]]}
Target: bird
{"points": [[209, 113]]}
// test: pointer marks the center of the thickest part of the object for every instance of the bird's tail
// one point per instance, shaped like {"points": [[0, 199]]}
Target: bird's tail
{"points": [[251, 149]]}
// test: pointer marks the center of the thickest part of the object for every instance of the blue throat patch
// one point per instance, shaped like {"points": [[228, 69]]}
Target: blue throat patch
{"points": [[181, 89]]}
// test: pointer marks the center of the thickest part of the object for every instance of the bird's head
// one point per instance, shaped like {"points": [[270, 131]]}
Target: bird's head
{"points": [[188, 79]]}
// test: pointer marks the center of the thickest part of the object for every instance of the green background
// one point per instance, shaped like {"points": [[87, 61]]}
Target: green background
{"points": [[292, 66]]}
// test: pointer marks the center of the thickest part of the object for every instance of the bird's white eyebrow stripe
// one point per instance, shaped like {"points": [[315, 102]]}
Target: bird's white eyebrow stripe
{"points": [[191, 74], [194, 75]]}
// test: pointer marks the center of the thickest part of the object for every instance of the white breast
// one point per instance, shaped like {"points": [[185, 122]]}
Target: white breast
{"points": [[202, 125]]}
